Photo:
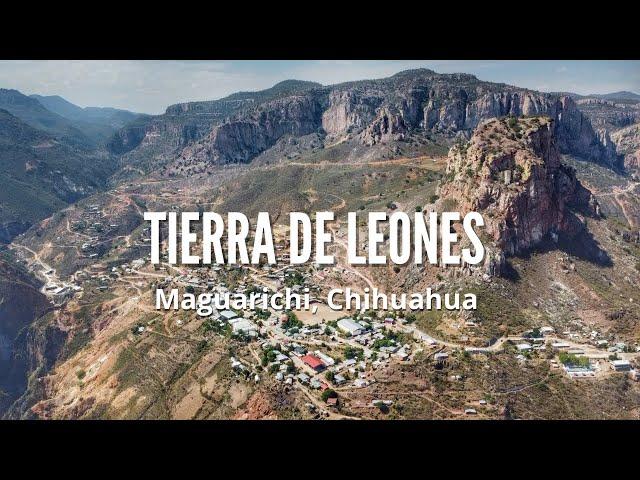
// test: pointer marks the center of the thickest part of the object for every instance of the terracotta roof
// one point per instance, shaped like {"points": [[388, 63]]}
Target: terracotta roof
{"points": [[313, 361]]}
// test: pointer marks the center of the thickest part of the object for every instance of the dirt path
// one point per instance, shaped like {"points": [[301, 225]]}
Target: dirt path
{"points": [[48, 272], [617, 193]]}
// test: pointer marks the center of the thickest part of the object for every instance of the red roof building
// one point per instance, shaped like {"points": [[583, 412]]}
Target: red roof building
{"points": [[314, 362]]}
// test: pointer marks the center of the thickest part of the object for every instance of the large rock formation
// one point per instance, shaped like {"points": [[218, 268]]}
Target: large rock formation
{"points": [[238, 141], [419, 102], [510, 171], [627, 141], [609, 115]]}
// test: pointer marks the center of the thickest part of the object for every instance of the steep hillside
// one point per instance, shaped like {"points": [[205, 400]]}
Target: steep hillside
{"points": [[608, 115], [395, 110], [33, 113], [97, 123], [21, 304], [41, 174], [148, 142], [627, 141]]}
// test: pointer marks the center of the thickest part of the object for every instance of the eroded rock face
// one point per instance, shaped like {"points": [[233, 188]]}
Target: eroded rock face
{"points": [[387, 127], [238, 141], [388, 110], [349, 110], [510, 171], [627, 141]]}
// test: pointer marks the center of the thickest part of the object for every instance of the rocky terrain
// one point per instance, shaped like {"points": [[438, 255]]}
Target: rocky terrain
{"points": [[414, 104], [41, 174], [562, 228], [154, 141], [511, 171], [627, 142], [614, 117]]}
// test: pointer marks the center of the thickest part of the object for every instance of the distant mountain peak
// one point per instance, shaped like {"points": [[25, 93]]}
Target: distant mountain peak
{"points": [[293, 83], [425, 72], [98, 123], [621, 96], [414, 72]]}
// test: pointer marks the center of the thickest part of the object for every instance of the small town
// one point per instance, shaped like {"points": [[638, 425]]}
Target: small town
{"points": [[320, 351]]}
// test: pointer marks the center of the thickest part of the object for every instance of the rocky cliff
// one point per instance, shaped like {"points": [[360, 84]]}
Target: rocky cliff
{"points": [[240, 140], [21, 304], [418, 102], [627, 141], [510, 171], [152, 141]]}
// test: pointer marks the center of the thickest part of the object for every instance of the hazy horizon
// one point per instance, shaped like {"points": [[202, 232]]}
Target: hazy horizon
{"points": [[151, 86]]}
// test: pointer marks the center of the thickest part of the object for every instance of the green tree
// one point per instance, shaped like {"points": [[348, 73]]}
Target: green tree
{"points": [[328, 393]]}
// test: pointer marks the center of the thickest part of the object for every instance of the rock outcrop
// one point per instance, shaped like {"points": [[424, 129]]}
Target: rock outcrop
{"points": [[627, 141], [240, 140], [419, 102], [510, 171]]}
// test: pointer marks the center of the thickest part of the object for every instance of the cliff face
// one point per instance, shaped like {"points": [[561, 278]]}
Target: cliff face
{"points": [[609, 115], [510, 171], [240, 140], [153, 141], [627, 141], [388, 110], [20, 306]]}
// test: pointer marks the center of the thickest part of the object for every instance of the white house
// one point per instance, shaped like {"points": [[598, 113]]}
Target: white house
{"points": [[523, 347], [347, 325], [621, 365], [228, 315]]}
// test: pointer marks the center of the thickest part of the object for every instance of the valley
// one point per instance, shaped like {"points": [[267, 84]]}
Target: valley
{"points": [[557, 327]]}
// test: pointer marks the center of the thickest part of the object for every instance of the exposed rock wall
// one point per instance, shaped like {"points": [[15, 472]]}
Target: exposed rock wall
{"points": [[388, 110], [240, 140], [627, 141], [510, 171]]}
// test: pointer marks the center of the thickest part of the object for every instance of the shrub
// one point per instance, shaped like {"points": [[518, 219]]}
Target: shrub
{"points": [[572, 360], [327, 394]]}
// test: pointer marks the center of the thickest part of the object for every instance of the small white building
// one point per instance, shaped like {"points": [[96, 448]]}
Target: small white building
{"points": [[339, 379], [326, 359], [244, 325], [347, 325], [228, 315], [547, 330], [621, 365], [441, 356]]}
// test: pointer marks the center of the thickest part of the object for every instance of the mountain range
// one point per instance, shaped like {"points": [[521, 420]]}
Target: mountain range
{"points": [[554, 175], [403, 114], [412, 106]]}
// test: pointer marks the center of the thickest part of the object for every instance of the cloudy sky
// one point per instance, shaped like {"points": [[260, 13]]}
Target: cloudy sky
{"points": [[150, 86]]}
